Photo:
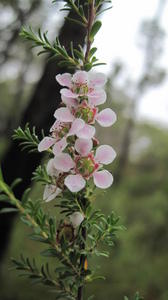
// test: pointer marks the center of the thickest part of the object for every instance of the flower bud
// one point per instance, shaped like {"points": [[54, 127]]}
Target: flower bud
{"points": [[76, 219], [65, 232]]}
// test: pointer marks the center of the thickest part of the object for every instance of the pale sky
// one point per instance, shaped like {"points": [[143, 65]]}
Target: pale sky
{"points": [[118, 39]]}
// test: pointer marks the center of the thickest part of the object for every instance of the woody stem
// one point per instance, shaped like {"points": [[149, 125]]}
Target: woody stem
{"points": [[91, 17], [82, 262]]}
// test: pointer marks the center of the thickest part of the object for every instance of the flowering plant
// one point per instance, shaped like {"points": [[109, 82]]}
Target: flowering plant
{"points": [[77, 156], [75, 167]]}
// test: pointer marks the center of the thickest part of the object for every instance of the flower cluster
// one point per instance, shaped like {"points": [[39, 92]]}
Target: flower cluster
{"points": [[77, 156]]}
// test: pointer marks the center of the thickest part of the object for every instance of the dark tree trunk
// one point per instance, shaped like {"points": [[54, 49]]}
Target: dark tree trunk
{"points": [[39, 113]]}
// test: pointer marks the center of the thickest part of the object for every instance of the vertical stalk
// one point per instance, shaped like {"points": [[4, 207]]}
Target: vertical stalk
{"points": [[82, 262], [91, 17], [83, 257]]}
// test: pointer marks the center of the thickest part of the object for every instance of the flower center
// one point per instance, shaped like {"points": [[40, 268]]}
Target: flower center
{"points": [[60, 131], [81, 89], [86, 113], [86, 165], [60, 180]]}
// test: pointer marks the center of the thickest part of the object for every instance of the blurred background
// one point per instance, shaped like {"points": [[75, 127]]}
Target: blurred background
{"points": [[133, 42]]}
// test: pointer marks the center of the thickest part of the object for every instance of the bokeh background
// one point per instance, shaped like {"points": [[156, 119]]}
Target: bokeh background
{"points": [[133, 42]]}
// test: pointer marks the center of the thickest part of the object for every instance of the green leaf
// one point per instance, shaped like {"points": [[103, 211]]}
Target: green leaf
{"points": [[75, 21], [92, 51], [88, 67], [25, 196], [95, 28], [8, 210], [28, 140], [49, 253], [4, 198], [15, 183], [101, 253], [103, 10], [79, 54], [38, 238], [41, 175], [98, 64]]}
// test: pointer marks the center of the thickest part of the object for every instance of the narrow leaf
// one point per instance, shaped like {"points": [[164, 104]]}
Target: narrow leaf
{"points": [[95, 28]]}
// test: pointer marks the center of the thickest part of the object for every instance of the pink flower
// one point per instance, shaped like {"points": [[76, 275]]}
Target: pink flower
{"points": [[89, 114], [83, 84], [79, 127], [90, 165], [61, 130], [57, 139], [48, 142], [51, 191], [86, 165]]}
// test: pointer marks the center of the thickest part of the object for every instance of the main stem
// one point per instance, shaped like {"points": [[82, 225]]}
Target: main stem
{"points": [[82, 263], [91, 17]]}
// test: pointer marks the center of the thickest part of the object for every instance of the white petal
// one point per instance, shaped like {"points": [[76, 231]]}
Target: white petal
{"points": [[75, 183], [45, 144], [97, 97], [55, 126], [77, 125], [103, 179], [105, 154], [50, 192], [106, 117], [63, 162], [83, 146], [80, 77], [70, 102], [51, 170], [87, 132], [59, 146], [97, 79], [64, 79], [63, 114], [68, 93]]}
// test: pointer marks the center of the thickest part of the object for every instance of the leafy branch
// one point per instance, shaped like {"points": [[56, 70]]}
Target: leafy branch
{"points": [[28, 140], [42, 276], [41, 175], [33, 216], [56, 50], [87, 14], [101, 229], [71, 5], [32, 272]]}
